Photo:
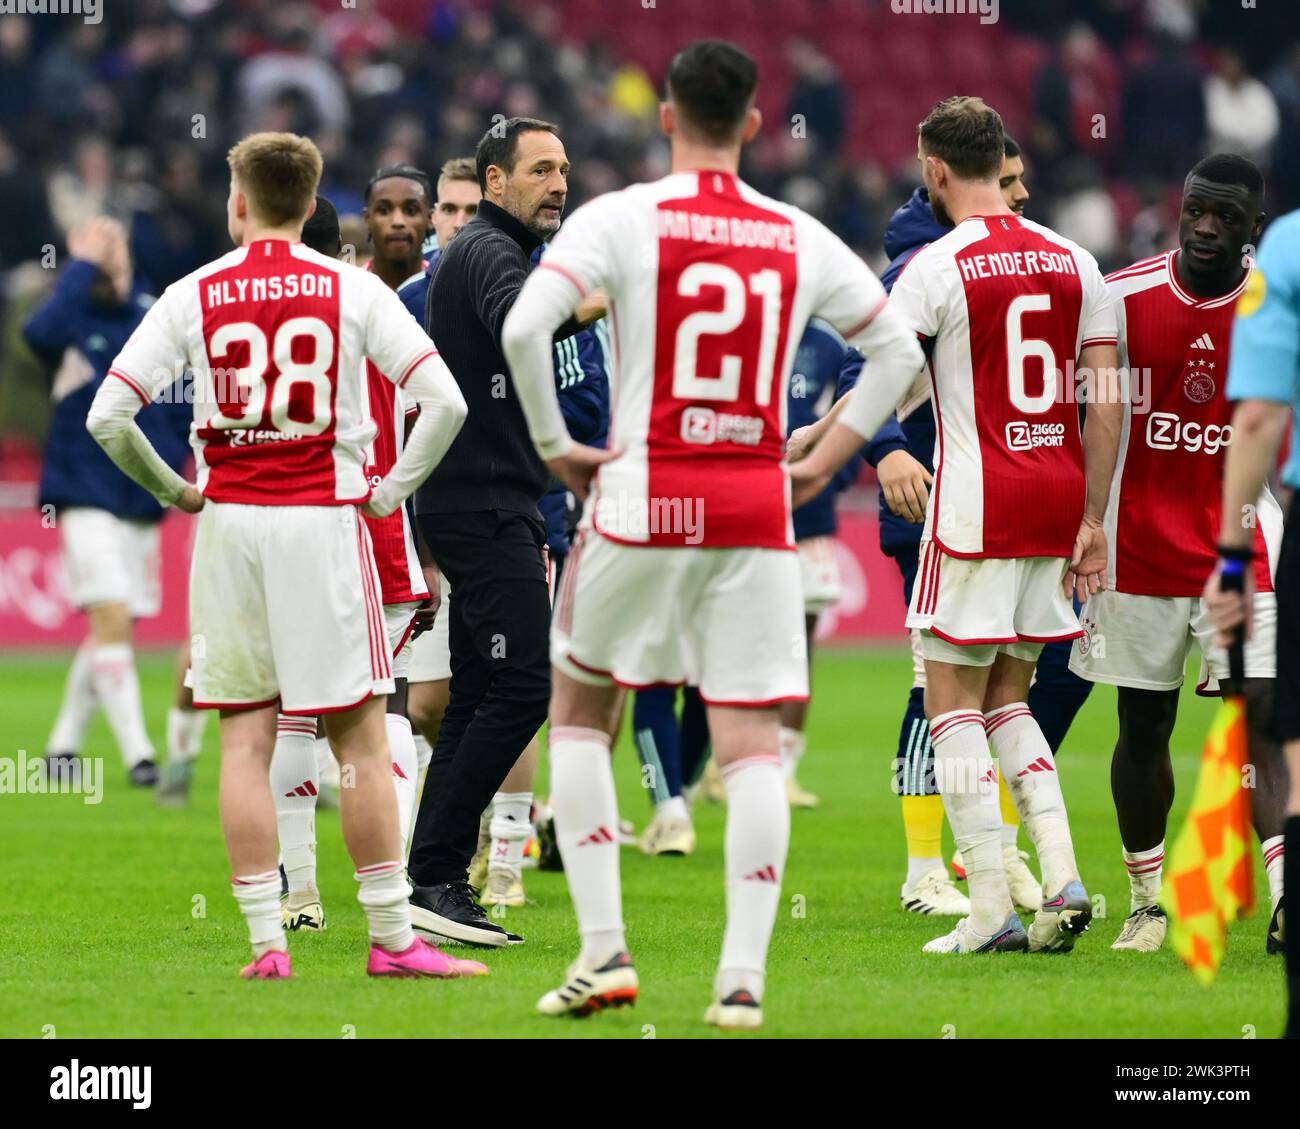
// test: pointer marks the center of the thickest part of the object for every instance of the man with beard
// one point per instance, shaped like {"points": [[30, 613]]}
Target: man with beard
{"points": [[480, 520]]}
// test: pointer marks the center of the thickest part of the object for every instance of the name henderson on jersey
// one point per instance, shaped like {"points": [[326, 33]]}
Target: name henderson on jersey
{"points": [[1014, 262]]}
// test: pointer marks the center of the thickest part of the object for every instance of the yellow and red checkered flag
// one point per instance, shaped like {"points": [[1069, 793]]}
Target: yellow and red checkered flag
{"points": [[1210, 881]]}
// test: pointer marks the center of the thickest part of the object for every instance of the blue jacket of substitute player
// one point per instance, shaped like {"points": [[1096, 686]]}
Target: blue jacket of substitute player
{"points": [[910, 229], [76, 470], [817, 363], [583, 387]]}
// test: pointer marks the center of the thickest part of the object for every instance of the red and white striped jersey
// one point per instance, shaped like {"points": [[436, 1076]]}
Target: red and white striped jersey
{"points": [[275, 336], [1162, 517], [1010, 304], [710, 286], [401, 580]]}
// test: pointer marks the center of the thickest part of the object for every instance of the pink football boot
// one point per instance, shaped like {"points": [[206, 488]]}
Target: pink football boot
{"points": [[271, 965], [421, 959]]}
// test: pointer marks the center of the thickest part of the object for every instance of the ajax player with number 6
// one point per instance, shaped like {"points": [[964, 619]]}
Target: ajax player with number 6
{"points": [[710, 287], [284, 596], [1017, 507]]}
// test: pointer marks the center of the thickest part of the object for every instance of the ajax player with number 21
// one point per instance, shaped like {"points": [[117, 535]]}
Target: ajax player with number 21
{"points": [[710, 287], [284, 595], [1017, 507]]}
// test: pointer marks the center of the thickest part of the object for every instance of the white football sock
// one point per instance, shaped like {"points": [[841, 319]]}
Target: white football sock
{"points": [[919, 868], [1010, 834], [295, 782], [793, 744], [258, 896], [968, 781], [423, 754], [117, 686], [1144, 869], [1030, 771], [401, 746], [185, 734], [1272, 849], [78, 705], [757, 839], [585, 808], [673, 808], [383, 894], [510, 828]]}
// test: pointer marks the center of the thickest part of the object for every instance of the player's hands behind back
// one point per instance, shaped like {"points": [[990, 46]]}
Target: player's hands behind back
{"points": [[190, 500], [1087, 571], [906, 485], [577, 467]]}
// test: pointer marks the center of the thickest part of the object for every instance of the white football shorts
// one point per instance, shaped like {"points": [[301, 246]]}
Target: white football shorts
{"points": [[729, 621], [431, 652], [110, 560], [821, 574], [399, 621], [284, 605], [1143, 641], [971, 609]]}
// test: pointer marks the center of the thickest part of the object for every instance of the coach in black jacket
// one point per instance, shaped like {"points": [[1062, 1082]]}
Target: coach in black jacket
{"points": [[478, 514]]}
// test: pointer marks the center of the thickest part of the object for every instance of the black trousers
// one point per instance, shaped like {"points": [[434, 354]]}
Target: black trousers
{"points": [[499, 633]]}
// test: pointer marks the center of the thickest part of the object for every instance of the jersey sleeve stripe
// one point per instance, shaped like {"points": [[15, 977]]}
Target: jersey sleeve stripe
{"points": [[134, 385], [884, 301], [1101, 341], [414, 365], [582, 290]]}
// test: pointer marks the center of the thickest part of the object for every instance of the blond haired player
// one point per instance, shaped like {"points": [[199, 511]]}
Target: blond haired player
{"points": [[284, 598]]}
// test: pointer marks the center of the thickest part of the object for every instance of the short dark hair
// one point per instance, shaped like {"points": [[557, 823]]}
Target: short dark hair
{"points": [[966, 134], [711, 85], [499, 145], [1229, 168], [406, 172], [321, 232], [1009, 146]]}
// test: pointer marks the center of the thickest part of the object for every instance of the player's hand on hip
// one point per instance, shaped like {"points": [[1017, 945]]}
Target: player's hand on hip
{"points": [[906, 485], [1230, 612], [577, 467], [592, 307], [190, 500], [1087, 571]]}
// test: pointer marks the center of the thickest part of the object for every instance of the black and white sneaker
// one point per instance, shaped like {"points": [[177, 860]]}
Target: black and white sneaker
{"points": [[144, 774], [61, 767], [449, 913], [1276, 942]]}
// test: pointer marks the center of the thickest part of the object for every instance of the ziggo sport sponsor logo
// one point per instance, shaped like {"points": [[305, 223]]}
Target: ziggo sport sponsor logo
{"points": [[1168, 432], [1023, 436]]}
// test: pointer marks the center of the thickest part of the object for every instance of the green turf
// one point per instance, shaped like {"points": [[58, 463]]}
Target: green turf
{"points": [[118, 919]]}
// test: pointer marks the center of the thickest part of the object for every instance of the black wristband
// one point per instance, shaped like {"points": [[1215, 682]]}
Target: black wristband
{"points": [[1244, 554]]}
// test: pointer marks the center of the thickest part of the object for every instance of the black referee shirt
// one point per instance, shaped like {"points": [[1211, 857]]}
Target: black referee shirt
{"points": [[492, 465]]}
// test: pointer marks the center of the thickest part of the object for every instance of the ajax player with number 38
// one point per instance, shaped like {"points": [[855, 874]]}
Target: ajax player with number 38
{"points": [[284, 596], [687, 570], [1016, 509]]}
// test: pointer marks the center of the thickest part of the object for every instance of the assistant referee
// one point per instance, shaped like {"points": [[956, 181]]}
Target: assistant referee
{"points": [[479, 517], [1264, 379]]}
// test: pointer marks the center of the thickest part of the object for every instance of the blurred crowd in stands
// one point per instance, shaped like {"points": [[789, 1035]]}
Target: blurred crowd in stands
{"points": [[1111, 101]]}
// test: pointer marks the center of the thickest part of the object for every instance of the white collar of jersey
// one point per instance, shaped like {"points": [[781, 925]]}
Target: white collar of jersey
{"points": [[1171, 269]]}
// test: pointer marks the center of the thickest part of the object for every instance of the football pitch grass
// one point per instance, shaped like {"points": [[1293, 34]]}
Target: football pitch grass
{"points": [[118, 918]]}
